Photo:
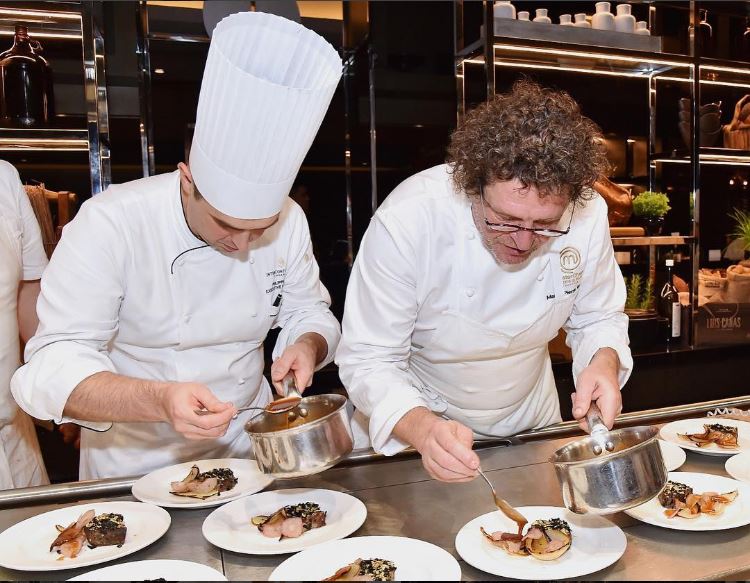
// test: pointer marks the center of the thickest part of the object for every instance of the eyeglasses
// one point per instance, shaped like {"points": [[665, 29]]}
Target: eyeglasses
{"points": [[508, 228]]}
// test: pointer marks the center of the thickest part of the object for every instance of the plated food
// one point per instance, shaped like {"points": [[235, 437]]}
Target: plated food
{"points": [[291, 521], [545, 540], [680, 500], [708, 435], [577, 545], [366, 570], [94, 530], [82, 535], [201, 483], [284, 521], [370, 558], [707, 501], [725, 436]]}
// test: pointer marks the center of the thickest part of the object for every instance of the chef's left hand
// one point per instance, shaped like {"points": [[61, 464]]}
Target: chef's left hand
{"points": [[299, 358], [598, 382]]}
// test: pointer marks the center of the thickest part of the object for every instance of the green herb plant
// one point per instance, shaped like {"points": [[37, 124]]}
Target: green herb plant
{"points": [[741, 227], [651, 204], [640, 293]]}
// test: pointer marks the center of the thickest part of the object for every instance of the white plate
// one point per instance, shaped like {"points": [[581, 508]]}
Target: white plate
{"points": [[25, 546], [735, 514], [229, 526], [597, 543], [154, 487], [415, 560], [674, 456], [150, 570], [669, 433], [738, 466]]}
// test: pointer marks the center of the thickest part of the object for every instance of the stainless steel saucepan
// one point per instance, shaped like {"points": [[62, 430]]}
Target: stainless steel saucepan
{"points": [[610, 471], [311, 437]]}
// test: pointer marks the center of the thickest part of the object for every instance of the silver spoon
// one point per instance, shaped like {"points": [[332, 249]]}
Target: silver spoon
{"points": [[282, 405], [504, 507]]}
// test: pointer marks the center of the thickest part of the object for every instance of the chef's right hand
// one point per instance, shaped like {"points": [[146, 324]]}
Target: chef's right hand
{"points": [[445, 447], [182, 400]]}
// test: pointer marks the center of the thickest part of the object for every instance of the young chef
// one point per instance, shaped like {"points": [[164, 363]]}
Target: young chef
{"points": [[159, 297], [469, 269], [22, 261]]}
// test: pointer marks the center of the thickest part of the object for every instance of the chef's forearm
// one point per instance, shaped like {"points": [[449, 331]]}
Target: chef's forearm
{"points": [[317, 343], [607, 357], [412, 427], [105, 396]]}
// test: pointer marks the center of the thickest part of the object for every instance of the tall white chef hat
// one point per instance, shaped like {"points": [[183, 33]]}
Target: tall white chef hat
{"points": [[266, 87]]}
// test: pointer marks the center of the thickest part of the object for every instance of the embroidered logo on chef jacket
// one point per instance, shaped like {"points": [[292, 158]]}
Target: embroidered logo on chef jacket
{"points": [[275, 279], [570, 263]]}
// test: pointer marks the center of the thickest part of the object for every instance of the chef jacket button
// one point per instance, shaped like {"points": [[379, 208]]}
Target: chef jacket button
{"points": [[180, 263], [470, 291], [252, 259], [471, 235], [254, 314], [240, 381], [186, 319]]}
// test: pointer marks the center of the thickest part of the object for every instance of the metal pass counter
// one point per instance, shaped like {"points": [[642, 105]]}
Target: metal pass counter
{"points": [[402, 500]]}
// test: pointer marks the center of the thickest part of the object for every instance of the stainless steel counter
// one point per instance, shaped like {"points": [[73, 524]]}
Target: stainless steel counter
{"points": [[402, 500]]}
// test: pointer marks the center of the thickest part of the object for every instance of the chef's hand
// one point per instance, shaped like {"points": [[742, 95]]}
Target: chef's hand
{"points": [[599, 382], [300, 359], [182, 400], [445, 445]]}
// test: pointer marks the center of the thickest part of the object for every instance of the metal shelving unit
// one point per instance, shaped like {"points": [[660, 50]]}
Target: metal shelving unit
{"points": [[74, 21]]}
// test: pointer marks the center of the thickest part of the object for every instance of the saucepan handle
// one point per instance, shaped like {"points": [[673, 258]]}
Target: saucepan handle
{"points": [[594, 419]]}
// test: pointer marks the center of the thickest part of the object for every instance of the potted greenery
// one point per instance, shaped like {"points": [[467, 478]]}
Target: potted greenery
{"points": [[639, 306], [650, 208]]}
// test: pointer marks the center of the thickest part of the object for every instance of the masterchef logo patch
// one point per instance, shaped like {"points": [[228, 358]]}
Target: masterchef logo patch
{"points": [[570, 263], [570, 259]]}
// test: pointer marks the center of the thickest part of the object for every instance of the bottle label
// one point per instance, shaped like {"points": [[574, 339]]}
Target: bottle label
{"points": [[676, 319]]}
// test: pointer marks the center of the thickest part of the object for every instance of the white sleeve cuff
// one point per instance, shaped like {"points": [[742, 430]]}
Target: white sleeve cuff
{"points": [[42, 386], [324, 324], [591, 345], [385, 417]]}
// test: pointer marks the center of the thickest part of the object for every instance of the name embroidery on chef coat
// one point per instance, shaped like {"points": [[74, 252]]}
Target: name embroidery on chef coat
{"points": [[570, 263], [276, 277]]}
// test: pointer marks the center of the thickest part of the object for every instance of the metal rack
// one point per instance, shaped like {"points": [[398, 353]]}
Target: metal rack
{"points": [[74, 21]]}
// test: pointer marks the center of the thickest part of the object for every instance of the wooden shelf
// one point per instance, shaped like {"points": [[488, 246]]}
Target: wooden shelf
{"points": [[649, 241]]}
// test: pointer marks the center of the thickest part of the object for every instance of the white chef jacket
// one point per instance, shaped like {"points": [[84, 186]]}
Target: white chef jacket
{"points": [[22, 257], [132, 291], [432, 320]]}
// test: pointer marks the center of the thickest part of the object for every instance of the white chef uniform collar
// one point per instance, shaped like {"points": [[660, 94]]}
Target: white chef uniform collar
{"points": [[266, 87]]}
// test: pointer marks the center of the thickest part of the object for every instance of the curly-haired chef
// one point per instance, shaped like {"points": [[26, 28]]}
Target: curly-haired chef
{"points": [[465, 274]]}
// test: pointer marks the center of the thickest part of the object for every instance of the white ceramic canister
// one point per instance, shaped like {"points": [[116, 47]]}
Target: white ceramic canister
{"points": [[541, 16], [504, 9], [566, 20], [603, 19], [641, 27], [580, 21], [523, 15], [624, 21]]}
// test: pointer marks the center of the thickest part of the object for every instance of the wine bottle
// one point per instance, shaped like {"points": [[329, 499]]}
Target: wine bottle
{"points": [[669, 302]]}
